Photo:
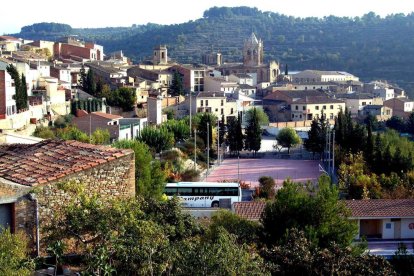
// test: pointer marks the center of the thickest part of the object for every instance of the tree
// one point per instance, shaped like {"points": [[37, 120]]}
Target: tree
{"points": [[297, 256], [20, 87], [201, 119], [72, 133], [316, 138], [23, 94], [82, 77], [126, 98], [176, 88], [246, 231], [410, 123], [100, 137], [219, 254], [132, 236], [267, 187], [287, 137], [318, 213], [261, 115], [179, 128], [157, 138], [235, 135], [149, 178], [253, 132], [14, 258], [89, 84], [396, 123], [44, 132]]}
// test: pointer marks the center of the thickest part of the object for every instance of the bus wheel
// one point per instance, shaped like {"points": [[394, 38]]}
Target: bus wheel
{"points": [[215, 204]]}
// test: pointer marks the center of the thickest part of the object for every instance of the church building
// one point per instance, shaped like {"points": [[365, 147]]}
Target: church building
{"points": [[253, 63]]}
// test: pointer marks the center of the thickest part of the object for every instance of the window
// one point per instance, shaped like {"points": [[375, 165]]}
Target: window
{"points": [[216, 109], [222, 102], [388, 225], [300, 116], [231, 111], [331, 106], [201, 103], [303, 107], [206, 102], [183, 191], [364, 103], [324, 107], [331, 116], [293, 116], [317, 107], [222, 111], [296, 107]]}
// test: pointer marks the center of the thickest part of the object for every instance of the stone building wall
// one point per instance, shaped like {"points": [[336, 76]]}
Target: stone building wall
{"points": [[113, 179]]}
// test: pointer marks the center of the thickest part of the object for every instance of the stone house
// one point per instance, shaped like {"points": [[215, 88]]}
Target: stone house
{"points": [[400, 106], [32, 177], [309, 108]]}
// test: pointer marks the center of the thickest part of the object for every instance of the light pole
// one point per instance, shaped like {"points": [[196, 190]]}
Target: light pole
{"points": [[90, 120], [190, 112], [218, 141], [208, 148], [195, 150]]}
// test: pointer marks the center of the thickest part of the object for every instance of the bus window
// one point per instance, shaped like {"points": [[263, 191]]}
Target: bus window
{"points": [[183, 191], [199, 191], [170, 191], [213, 191]]}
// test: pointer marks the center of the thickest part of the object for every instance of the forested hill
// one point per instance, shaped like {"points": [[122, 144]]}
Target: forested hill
{"points": [[369, 46]]}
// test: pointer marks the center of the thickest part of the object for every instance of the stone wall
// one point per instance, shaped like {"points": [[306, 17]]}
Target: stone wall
{"points": [[114, 179]]}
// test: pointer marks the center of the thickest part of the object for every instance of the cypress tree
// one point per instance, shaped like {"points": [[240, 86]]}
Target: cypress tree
{"points": [[23, 93], [369, 149], [253, 138]]}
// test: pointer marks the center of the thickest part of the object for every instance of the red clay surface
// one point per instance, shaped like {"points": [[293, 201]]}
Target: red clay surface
{"points": [[251, 169]]}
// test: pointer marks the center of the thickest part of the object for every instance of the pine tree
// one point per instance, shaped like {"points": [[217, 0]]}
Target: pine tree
{"points": [[253, 133], [316, 138]]}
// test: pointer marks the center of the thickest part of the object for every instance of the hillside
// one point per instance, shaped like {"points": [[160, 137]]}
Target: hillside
{"points": [[369, 46]]}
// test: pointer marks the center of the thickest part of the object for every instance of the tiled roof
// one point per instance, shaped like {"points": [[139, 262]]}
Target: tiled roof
{"points": [[251, 210], [211, 94], [396, 208], [107, 115], [294, 94], [317, 100], [49, 160]]}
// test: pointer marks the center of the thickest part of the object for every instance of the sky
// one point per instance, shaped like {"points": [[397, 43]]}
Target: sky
{"points": [[94, 13]]}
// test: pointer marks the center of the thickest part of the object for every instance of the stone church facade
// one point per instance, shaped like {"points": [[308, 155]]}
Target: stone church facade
{"points": [[253, 63]]}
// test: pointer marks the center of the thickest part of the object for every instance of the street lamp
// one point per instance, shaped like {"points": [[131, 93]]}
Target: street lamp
{"points": [[90, 120], [218, 142], [208, 148], [195, 150]]}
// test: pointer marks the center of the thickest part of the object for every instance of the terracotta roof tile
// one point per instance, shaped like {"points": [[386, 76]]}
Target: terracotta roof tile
{"points": [[251, 210], [381, 208], [51, 159]]}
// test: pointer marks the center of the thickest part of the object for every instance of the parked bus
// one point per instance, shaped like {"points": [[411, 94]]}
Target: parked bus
{"points": [[204, 194]]}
